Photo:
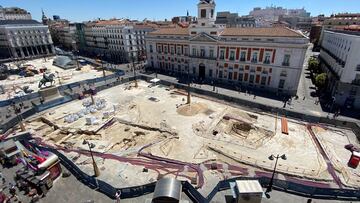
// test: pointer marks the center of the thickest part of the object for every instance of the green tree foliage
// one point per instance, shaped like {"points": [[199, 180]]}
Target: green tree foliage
{"points": [[314, 65], [320, 80]]}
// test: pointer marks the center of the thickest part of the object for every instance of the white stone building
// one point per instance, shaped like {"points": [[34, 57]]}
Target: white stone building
{"points": [[117, 40], [14, 13], [22, 39], [65, 35], [339, 56], [267, 58]]}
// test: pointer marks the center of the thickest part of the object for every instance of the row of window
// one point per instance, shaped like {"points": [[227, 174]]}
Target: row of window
{"points": [[180, 50], [339, 42], [244, 55], [26, 32], [223, 74], [251, 78], [240, 68]]}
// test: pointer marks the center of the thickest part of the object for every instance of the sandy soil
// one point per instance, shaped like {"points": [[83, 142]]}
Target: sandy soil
{"points": [[158, 120]]}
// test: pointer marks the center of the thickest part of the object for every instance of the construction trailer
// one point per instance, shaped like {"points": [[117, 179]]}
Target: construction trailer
{"points": [[247, 191]]}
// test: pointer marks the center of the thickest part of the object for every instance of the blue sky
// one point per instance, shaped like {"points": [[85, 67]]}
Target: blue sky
{"points": [[81, 10]]}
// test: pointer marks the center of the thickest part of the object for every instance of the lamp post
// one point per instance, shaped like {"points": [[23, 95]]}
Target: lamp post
{"points": [[58, 76], [189, 86], [133, 66], [100, 56], [102, 66], [17, 111], [272, 157], [77, 59], [92, 145]]}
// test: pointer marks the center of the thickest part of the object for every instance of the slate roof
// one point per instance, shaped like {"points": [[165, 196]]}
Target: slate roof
{"points": [[19, 22], [240, 32]]}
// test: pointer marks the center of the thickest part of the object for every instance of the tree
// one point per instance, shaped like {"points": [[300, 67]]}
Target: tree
{"points": [[314, 65], [320, 80]]}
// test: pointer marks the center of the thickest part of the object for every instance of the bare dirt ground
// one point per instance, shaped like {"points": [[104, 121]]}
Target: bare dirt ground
{"points": [[333, 141], [145, 133]]}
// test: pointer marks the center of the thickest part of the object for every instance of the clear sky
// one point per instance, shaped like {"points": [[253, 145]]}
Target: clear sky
{"points": [[82, 10]]}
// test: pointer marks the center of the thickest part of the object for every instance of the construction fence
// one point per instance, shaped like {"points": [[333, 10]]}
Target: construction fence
{"points": [[188, 189], [69, 94]]}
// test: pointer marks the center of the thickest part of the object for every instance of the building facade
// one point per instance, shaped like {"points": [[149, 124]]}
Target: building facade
{"points": [[14, 13], [234, 20], [266, 58], [23, 39], [296, 22], [294, 18], [341, 20], [116, 40], [64, 35], [340, 59]]}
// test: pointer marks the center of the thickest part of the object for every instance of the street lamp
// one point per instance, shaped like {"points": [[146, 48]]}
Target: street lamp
{"points": [[102, 66], [17, 111], [92, 145], [58, 76], [133, 64], [100, 56], [188, 79], [77, 59], [272, 157]]}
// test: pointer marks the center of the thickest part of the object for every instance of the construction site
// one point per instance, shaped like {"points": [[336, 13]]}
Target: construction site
{"points": [[23, 77], [146, 131]]}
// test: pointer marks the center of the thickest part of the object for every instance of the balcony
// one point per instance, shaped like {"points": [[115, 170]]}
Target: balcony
{"points": [[203, 57], [242, 59], [267, 62], [254, 61]]}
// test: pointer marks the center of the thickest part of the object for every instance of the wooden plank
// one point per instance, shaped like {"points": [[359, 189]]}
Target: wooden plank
{"points": [[284, 126]]}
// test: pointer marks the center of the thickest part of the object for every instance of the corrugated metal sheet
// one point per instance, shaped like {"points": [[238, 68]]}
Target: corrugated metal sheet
{"points": [[167, 188]]}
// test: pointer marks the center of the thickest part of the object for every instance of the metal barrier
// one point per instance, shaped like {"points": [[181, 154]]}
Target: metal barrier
{"points": [[111, 79], [194, 195], [188, 189]]}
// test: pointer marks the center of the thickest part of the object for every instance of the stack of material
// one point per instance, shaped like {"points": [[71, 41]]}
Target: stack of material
{"points": [[71, 118], [91, 121], [87, 103], [100, 104], [106, 115]]}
